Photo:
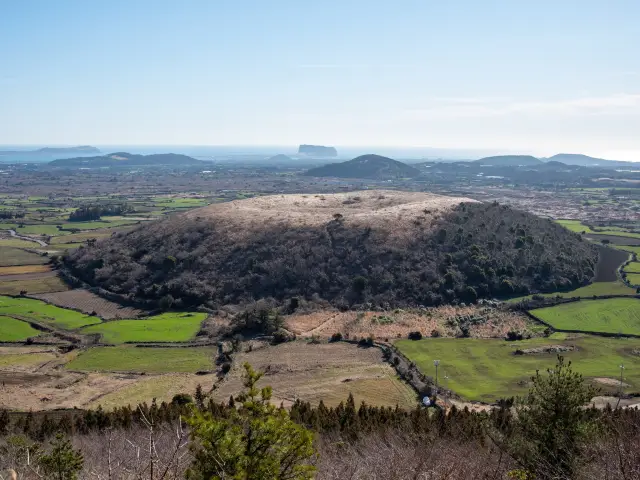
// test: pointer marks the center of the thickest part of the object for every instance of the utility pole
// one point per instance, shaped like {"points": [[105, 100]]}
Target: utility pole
{"points": [[446, 388], [436, 363], [621, 371]]}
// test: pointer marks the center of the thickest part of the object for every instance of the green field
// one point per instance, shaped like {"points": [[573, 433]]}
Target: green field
{"points": [[575, 226], [97, 224], [179, 202], [69, 246], [16, 242], [611, 315], [616, 233], [629, 248], [37, 230], [12, 330], [167, 327], [11, 256], [487, 369], [634, 278], [151, 360], [40, 311], [633, 267], [579, 227], [83, 236], [597, 288]]}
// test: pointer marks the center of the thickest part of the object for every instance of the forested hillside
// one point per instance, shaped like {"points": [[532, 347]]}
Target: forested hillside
{"points": [[467, 252]]}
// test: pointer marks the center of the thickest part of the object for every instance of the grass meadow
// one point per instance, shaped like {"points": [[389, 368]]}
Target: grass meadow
{"points": [[151, 360], [487, 370], [611, 315], [40, 311], [167, 327], [12, 330]]}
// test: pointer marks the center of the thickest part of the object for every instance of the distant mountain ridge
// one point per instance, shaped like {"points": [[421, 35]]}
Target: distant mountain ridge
{"points": [[375, 167], [567, 159], [121, 159], [317, 150], [509, 160], [53, 150], [585, 160]]}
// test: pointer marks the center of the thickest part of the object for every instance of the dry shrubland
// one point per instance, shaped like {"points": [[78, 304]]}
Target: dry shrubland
{"points": [[391, 455], [484, 322]]}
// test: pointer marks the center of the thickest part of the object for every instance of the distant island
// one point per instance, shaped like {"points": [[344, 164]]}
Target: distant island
{"points": [[124, 159], [53, 150], [317, 150], [280, 158], [375, 167]]}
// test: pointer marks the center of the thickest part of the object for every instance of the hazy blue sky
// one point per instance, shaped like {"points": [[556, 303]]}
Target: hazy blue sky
{"points": [[541, 76]]}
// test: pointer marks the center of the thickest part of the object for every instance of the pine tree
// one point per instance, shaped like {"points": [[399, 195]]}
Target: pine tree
{"points": [[553, 422], [199, 397], [257, 441], [63, 462]]}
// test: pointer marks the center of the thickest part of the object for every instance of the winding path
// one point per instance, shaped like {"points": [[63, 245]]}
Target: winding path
{"points": [[29, 239]]}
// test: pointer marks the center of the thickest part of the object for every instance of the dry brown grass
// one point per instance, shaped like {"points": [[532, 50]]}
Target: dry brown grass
{"points": [[384, 210], [327, 372], [32, 283], [32, 378], [311, 372], [19, 269], [399, 323], [88, 302]]}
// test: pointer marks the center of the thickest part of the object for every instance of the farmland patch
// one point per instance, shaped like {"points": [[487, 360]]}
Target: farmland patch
{"points": [[629, 248], [612, 315], [18, 269], [37, 310], [597, 289], [615, 239], [17, 242], [633, 267], [167, 327], [609, 261], [89, 302], [488, 369], [10, 256], [12, 330], [327, 372], [34, 283], [152, 360]]}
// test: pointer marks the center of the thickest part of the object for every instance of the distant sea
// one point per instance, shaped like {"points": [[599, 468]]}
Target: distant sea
{"points": [[200, 152], [230, 152]]}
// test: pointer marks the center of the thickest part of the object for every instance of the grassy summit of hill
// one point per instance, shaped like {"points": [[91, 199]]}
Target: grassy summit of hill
{"points": [[371, 166], [123, 159], [375, 247]]}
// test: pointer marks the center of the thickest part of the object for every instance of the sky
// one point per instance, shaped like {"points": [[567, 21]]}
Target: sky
{"points": [[537, 77]]}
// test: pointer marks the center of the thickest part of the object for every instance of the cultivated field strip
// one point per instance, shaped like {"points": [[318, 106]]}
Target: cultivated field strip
{"points": [[89, 302]]}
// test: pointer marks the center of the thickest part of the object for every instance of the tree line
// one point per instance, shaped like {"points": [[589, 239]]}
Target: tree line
{"points": [[95, 212], [546, 435]]}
